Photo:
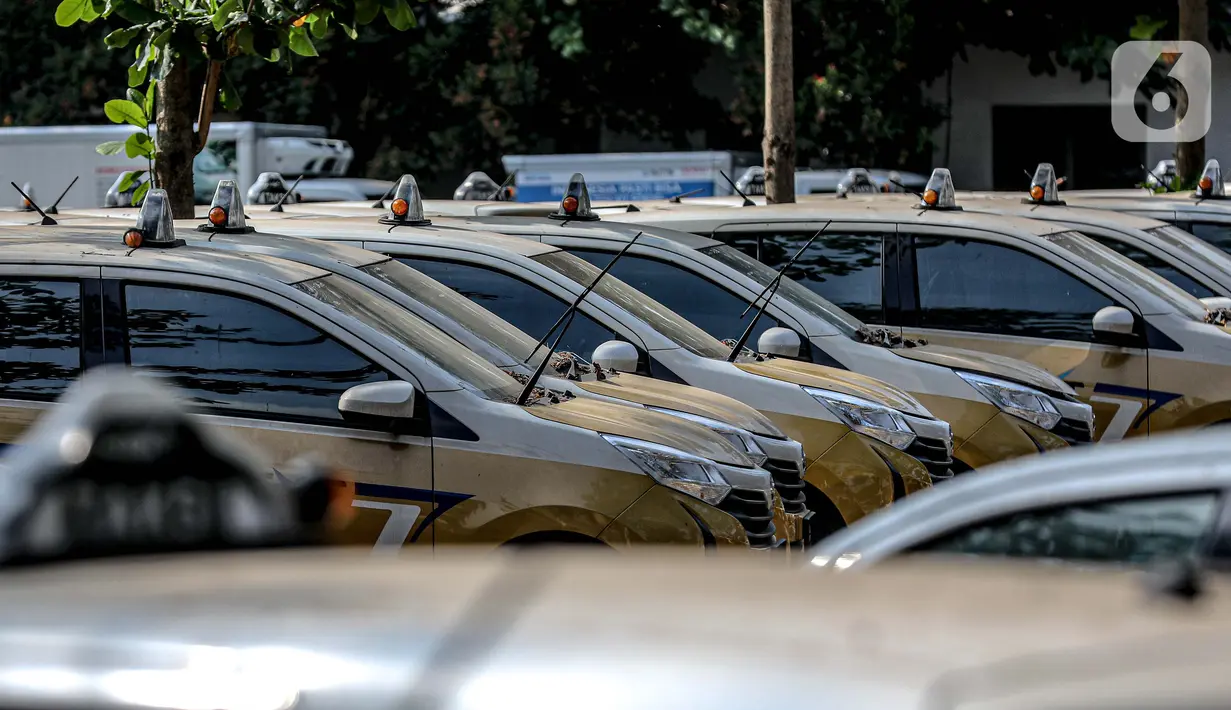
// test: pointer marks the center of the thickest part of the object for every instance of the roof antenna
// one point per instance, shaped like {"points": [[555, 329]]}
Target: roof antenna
{"points": [[380, 204], [675, 199], [768, 293], [278, 205], [914, 192], [47, 221], [52, 209], [1165, 186], [747, 202], [498, 195]]}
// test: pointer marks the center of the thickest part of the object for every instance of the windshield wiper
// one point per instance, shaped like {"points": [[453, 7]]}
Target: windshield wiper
{"points": [[568, 314], [768, 293]]}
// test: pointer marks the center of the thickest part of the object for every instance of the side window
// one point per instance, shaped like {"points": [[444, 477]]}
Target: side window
{"points": [[987, 288], [845, 269], [231, 353], [1133, 531], [1158, 266], [528, 307], [708, 305], [1217, 234], [40, 337]]}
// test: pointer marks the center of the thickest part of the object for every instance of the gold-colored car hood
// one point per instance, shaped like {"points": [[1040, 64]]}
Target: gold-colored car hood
{"points": [[638, 423], [830, 378], [985, 363], [683, 398]]}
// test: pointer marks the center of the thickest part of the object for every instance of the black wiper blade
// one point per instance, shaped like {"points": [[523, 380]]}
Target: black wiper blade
{"points": [[768, 293]]}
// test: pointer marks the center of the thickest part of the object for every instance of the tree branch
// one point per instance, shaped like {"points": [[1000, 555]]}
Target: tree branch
{"points": [[209, 95]]}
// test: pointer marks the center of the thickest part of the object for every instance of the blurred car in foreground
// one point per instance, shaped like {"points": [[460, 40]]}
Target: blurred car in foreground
{"points": [[1131, 503]]}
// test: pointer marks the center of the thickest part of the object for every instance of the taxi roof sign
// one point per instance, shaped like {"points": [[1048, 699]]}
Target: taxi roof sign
{"points": [[407, 205], [477, 186], [27, 199], [576, 201], [939, 193], [226, 212], [116, 198], [270, 188], [1044, 188], [855, 180], [1210, 186], [155, 224]]}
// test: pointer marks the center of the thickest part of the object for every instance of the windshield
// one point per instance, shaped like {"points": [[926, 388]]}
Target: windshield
{"points": [[1124, 268], [658, 316], [472, 372], [482, 323], [1186, 243], [792, 291]]}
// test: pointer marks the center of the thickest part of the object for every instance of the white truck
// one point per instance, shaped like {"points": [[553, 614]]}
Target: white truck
{"points": [[48, 158]]}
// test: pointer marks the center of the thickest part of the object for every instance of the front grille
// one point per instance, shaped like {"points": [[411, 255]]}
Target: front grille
{"points": [[1074, 431], [934, 454], [755, 511], [789, 482]]}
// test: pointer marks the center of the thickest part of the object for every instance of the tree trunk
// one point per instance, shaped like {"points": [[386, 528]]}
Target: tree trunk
{"points": [[177, 142], [1194, 27], [778, 145]]}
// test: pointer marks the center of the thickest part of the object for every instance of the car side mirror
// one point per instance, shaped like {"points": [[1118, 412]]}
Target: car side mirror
{"points": [[782, 342], [617, 355], [1115, 325], [387, 405]]}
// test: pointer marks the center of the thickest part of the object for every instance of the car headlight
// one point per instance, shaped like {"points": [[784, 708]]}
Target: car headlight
{"points": [[673, 468], [740, 438], [1019, 400], [866, 417]]}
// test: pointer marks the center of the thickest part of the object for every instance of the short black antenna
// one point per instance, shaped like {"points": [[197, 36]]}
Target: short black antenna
{"points": [[768, 293], [380, 204], [916, 193], [675, 199], [747, 202], [1165, 186], [497, 196], [577, 301], [52, 209], [278, 205], [47, 221]]}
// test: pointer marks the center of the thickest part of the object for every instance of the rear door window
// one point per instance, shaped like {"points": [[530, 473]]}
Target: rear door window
{"points": [[40, 337]]}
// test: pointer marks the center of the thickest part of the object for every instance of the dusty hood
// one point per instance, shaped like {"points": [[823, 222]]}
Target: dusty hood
{"points": [[637, 423], [829, 378], [986, 364], [683, 398]]}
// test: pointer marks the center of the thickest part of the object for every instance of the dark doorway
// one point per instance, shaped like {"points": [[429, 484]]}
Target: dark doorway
{"points": [[1078, 140]]}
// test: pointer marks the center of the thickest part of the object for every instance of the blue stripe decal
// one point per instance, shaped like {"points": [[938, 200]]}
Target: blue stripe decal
{"points": [[1155, 398], [443, 501]]}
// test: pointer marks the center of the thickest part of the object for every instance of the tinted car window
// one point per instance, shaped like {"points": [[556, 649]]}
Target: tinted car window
{"points": [[706, 304], [1217, 234], [234, 354], [1136, 531], [987, 288], [1155, 264], [40, 337], [845, 269], [528, 307]]}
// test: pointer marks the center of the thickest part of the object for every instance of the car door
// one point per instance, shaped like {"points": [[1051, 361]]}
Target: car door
{"points": [[845, 264], [48, 313], [271, 372], [969, 289]]}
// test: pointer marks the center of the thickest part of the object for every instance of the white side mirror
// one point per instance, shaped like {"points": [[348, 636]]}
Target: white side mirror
{"points": [[782, 342], [1215, 303], [616, 355], [378, 401], [1114, 320]]}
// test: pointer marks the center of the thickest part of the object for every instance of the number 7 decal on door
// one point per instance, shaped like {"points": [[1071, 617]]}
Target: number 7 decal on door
{"points": [[405, 506], [1129, 403]]}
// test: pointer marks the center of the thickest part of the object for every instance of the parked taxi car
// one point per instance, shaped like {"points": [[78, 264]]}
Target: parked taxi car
{"points": [[294, 359], [1136, 348], [854, 429], [998, 409]]}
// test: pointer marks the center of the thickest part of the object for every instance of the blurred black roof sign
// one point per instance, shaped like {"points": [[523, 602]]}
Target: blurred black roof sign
{"points": [[576, 202], [407, 206]]}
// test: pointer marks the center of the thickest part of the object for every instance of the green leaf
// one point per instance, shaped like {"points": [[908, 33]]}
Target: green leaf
{"points": [[224, 13], [140, 192], [149, 98], [400, 16], [138, 98], [350, 31], [366, 11], [134, 12], [229, 97], [127, 180], [121, 37], [109, 148], [139, 68], [125, 111], [300, 43], [1146, 28], [139, 145], [320, 25], [68, 12], [244, 40]]}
